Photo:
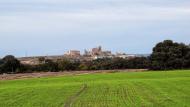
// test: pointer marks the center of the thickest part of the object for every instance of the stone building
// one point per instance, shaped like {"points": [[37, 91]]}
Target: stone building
{"points": [[96, 51], [73, 53]]}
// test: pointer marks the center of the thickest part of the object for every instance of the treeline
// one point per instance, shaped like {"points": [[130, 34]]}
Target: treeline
{"points": [[14, 66], [166, 55]]}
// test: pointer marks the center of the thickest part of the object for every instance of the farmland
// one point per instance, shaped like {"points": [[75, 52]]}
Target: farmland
{"points": [[118, 89]]}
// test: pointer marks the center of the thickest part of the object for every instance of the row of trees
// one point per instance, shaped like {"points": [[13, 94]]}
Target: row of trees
{"points": [[99, 64], [10, 64], [166, 55]]}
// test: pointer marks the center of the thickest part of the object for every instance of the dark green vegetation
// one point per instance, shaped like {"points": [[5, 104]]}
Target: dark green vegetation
{"points": [[122, 89], [170, 55], [9, 64], [166, 55]]}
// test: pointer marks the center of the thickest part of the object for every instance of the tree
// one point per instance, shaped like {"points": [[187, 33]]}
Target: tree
{"points": [[118, 63], [41, 60], [10, 64], [47, 66], [1, 63], [83, 67], [169, 55], [63, 64], [187, 60], [51, 66], [138, 63]]}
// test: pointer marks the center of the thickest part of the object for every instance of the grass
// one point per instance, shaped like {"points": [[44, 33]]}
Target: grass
{"points": [[122, 89]]}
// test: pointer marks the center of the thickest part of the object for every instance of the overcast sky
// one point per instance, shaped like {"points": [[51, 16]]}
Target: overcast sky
{"points": [[50, 27]]}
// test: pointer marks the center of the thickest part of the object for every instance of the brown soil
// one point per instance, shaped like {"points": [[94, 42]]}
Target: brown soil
{"points": [[50, 74]]}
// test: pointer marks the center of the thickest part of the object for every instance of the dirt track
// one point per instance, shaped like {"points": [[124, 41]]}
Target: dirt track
{"points": [[73, 98], [49, 74]]}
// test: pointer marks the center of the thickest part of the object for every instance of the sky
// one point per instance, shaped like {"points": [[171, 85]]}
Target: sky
{"points": [[51, 27]]}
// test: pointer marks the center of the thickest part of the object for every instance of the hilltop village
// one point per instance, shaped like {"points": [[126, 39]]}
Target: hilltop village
{"points": [[76, 55]]}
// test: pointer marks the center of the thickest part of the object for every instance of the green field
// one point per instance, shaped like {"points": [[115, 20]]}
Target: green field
{"points": [[121, 89]]}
